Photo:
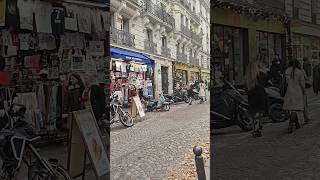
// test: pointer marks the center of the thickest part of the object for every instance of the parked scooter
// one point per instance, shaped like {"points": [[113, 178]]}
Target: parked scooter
{"points": [[178, 96], [154, 105], [275, 103], [229, 107]]}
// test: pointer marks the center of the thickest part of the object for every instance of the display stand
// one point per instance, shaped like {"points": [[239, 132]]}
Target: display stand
{"points": [[86, 136]]}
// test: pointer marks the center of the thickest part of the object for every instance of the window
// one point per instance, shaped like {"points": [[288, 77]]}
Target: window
{"points": [[149, 35], [181, 19], [269, 47], [187, 22], [125, 24], [164, 41], [178, 47], [112, 20]]}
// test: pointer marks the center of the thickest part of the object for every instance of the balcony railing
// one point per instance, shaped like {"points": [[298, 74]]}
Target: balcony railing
{"points": [[185, 30], [166, 52], [196, 17], [150, 46], [194, 61], [196, 37], [181, 57], [121, 37], [160, 13]]}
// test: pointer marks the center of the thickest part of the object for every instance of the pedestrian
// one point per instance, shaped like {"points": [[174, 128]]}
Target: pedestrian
{"points": [[202, 91], [190, 93], [307, 67], [294, 99], [257, 97], [316, 78]]}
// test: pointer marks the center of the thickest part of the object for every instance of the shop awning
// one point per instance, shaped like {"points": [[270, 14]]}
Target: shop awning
{"points": [[125, 55]]}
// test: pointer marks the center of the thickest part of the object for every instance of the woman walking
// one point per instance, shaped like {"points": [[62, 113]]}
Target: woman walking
{"points": [[190, 93], [294, 99], [202, 91], [257, 98]]}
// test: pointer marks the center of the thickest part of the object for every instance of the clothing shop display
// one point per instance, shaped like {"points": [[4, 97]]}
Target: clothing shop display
{"points": [[12, 14], [41, 47], [2, 12], [43, 17], [26, 10]]}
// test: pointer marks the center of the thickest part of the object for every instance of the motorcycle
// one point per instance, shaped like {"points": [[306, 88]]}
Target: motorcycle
{"points": [[275, 111], [16, 146], [117, 114], [178, 96], [275, 103], [153, 105], [229, 107]]}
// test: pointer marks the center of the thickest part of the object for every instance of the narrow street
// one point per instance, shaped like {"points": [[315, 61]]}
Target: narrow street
{"points": [[276, 155], [156, 146]]}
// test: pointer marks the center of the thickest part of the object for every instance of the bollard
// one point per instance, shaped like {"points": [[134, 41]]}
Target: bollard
{"points": [[199, 163]]}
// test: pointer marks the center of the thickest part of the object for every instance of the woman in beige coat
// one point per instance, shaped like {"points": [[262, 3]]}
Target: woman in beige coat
{"points": [[294, 97]]}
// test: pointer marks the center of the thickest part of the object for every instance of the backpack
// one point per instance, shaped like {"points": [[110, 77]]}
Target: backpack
{"points": [[283, 86]]}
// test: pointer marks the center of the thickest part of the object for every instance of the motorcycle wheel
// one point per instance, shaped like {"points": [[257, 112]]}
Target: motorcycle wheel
{"points": [[186, 99], [166, 107], [277, 114], [125, 118], [245, 120]]}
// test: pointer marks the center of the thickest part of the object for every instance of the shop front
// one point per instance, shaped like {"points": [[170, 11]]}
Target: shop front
{"points": [[238, 39], [184, 74], [163, 76], [205, 76], [131, 72], [305, 46], [46, 59]]}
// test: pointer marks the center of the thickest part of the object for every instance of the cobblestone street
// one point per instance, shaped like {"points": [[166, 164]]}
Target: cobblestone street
{"points": [[156, 146], [277, 155]]}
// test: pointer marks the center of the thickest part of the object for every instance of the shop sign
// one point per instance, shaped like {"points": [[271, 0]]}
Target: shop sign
{"points": [[138, 104], [93, 141]]}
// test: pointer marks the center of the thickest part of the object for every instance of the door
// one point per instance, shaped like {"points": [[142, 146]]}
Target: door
{"points": [[165, 80]]}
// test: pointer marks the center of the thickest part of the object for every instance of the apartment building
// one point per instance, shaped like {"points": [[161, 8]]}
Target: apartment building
{"points": [[172, 35], [305, 25]]}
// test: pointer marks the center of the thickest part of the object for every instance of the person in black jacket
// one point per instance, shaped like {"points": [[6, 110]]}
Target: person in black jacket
{"points": [[257, 97], [316, 78]]}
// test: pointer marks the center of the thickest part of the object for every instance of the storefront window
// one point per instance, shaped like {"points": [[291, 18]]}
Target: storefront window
{"points": [[181, 77], [228, 54], [269, 47]]}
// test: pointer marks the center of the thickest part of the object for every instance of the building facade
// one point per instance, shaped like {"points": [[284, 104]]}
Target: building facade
{"points": [[173, 34], [305, 28], [244, 31]]}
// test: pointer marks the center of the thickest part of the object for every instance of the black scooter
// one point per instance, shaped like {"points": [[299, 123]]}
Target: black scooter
{"points": [[177, 97], [229, 107]]}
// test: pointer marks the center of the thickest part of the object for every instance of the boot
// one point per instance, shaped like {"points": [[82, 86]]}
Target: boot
{"points": [[257, 133]]}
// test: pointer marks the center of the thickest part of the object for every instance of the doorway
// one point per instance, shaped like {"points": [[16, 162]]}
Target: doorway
{"points": [[165, 80]]}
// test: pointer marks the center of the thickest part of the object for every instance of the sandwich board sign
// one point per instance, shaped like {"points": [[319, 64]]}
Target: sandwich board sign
{"points": [[92, 139], [138, 104]]}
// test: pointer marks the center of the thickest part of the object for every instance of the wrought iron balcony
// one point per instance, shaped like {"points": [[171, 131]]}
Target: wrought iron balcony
{"points": [[122, 38], [166, 52], [158, 12], [150, 46], [196, 17], [196, 37], [194, 61], [181, 57], [185, 30]]}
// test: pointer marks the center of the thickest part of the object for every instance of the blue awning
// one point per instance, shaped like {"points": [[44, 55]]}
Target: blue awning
{"points": [[125, 55]]}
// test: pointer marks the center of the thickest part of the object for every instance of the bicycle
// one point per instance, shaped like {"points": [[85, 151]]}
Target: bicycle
{"points": [[16, 146]]}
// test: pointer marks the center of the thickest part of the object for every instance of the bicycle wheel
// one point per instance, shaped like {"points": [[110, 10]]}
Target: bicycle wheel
{"points": [[125, 118], [37, 172]]}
